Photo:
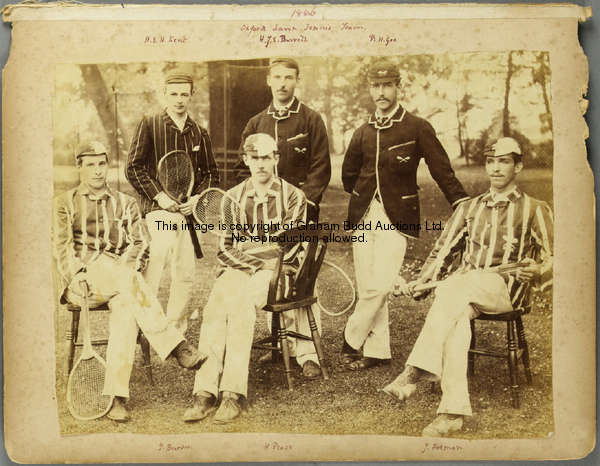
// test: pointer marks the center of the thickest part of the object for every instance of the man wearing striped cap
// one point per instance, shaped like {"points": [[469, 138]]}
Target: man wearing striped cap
{"points": [[156, 135], [98, 236], [501, 226]]}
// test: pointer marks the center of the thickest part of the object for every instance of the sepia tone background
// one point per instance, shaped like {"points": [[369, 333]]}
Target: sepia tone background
{"points": [[573, 427]]}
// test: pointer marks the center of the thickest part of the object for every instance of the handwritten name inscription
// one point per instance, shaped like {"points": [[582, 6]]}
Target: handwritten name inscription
{"points": [[441, 447], [162, 39], [170, 447], [274, 446]]}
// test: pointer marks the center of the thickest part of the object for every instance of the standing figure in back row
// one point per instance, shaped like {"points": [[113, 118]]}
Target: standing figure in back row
{"points": [[380, 173]]}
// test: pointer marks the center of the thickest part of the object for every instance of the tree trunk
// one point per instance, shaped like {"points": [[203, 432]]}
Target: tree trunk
{"points": [[461, 143], [505, 112]]}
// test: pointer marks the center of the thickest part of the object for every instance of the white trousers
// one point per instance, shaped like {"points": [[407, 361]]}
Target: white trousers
{"points": [[443, 344], [179, 245], [133, 306], [228, 329], [377, 263]]}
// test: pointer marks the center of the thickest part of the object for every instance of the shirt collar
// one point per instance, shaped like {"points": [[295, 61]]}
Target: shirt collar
{"points": [[83, 190], [186, 125], [281, 113], [271, 191], [492, 199], [396, 117]]}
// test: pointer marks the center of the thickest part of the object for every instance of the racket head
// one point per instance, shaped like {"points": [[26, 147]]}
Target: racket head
{"points": [[218, 208], [84, 389], [334, 289], [175, 173]]}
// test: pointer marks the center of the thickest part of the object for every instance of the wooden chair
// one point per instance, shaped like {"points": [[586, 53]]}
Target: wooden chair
{"points": [[301, 295], [516, 348], [73, 332]]}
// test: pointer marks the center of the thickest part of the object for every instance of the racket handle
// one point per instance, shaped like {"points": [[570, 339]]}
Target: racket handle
{"points": [[197, 249]]}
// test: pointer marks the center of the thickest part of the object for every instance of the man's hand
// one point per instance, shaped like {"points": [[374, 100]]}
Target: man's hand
{"points": [[166, 203], [401, 287], [187, 207], [532, 271]]}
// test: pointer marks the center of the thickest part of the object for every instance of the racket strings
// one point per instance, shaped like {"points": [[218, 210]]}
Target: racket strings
{"points": [[175, 174], [217, 208], [334, 289], [85, 389]]}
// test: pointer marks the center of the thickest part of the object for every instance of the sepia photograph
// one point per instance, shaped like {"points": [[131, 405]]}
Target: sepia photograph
{"points": [[427, 183], [297, 233]]}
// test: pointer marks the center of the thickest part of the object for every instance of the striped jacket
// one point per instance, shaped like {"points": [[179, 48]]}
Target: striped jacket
{"points": [[154, 137], [487, 232], [283, 204], [85, 226]]}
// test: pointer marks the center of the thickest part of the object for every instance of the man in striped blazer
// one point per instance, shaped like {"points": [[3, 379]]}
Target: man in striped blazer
{"points": [[241, 288], [501, 226], [156, 135], [99, 237]]}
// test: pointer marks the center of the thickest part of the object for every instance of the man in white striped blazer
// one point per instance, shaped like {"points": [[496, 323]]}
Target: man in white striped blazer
{"points": [[501, 226], [241, 288], [99, 237]]}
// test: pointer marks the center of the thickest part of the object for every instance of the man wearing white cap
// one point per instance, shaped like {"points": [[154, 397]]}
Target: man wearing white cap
{"points": [[241, 288], [501, 226], [99, 237]]}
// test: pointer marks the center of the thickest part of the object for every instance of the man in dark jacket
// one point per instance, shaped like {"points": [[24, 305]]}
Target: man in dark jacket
{"points": [[303, 161], [380, 173]]}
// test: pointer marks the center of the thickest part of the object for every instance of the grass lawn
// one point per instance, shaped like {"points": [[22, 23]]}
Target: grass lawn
{"points": [[349, 403]]}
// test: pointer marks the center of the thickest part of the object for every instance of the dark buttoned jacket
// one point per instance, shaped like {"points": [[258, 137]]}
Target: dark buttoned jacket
{"points": [[303, 146], [383, 157]]}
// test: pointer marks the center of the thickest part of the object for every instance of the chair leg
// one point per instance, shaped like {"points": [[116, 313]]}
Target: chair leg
{"points": [[275, 353], [146, 356], [512, 363], [317, 341], [525, 348], [471, 365], [285, 350]]}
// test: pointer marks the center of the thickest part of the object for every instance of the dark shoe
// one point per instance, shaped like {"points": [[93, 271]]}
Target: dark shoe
{"points": [[443, 425], [203, 406], [311, 370], [349, 354], [366, 363], [229, 409], [266, 358], [118, 412], [188, 357]]}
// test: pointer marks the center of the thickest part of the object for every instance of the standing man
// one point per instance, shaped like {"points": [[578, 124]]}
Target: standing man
{"points": [[380, 173], [155, 136], [303, 161], [241, 289], [500, 226], [99, 237]]}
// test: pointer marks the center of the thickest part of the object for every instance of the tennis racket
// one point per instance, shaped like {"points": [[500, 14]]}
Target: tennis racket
{"points": [[334, 290], [501, 269], [86, 380], [175, 174], [217, 208]]}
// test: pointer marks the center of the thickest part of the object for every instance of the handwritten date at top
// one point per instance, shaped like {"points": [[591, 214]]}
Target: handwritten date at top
{"points": [[303, 12]]}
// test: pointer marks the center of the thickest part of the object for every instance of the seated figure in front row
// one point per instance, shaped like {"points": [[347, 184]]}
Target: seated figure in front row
{"points": [[501, 226], [229, 315], [99, 236]]}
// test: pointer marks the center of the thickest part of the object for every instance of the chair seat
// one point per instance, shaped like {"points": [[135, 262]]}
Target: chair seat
{"points": [[76, 308], [504, 317], [290, 305]]}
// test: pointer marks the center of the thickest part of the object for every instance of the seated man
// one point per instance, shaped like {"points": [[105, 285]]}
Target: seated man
{"points": [[241, 289], [99, 237], [501, 226]]}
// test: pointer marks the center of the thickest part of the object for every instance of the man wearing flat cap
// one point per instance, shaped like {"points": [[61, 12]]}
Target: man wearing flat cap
{"points": [[99, 237], [380, 173], [502, 226], [242, 286], [303, 161], [155, 136]]}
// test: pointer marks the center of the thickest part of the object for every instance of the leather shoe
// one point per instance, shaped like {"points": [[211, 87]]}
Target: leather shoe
{"points": [[118, 412], [443, 424], [203, 406], [311, 370], [229, 409], [187, 356]]}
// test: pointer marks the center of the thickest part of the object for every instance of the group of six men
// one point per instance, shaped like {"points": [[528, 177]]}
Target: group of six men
{"points": [[101, 236]]}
